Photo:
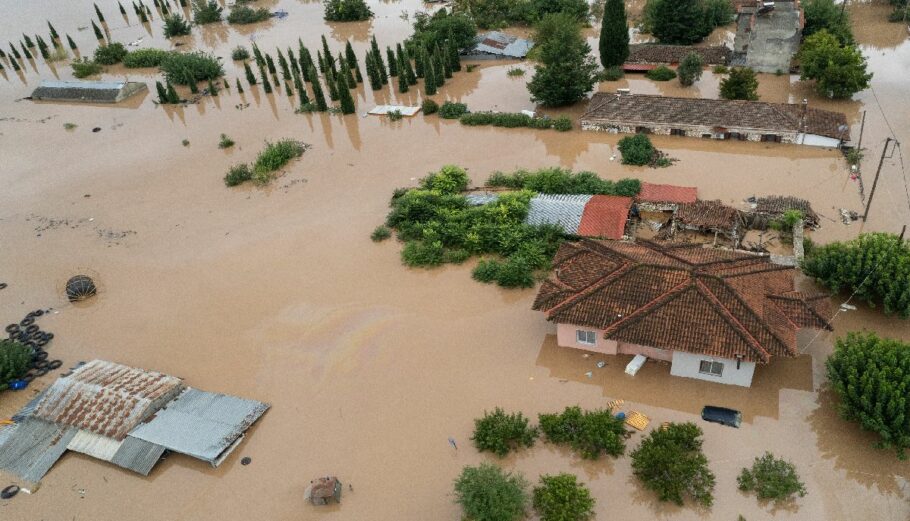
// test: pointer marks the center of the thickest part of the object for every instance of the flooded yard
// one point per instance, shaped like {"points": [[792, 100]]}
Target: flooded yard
{"points": [[278, 294]]}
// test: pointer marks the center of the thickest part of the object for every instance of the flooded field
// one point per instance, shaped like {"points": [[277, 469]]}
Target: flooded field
{"points": [[278, 294]]}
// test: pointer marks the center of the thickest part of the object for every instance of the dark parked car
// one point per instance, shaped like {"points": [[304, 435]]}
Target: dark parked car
{"points": [[722, 415]]}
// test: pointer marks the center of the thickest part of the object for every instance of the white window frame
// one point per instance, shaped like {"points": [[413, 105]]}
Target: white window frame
{"points": [[586, 337], [714, 368]]}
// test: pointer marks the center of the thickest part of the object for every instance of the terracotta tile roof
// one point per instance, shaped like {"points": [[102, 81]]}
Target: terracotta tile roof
{"points": [[632, 109], [638, 67], [684, 297], [655, 193], [708, 214], [605, 216], [656, 53], [776, 205]]}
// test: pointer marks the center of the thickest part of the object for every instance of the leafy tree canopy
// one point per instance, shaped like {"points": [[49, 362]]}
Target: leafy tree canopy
{"points": [[566, 71], [839, 70], [741, 83], [500, 432], [771, 478], [591, 433], [487, 493], [670, 462], [563, 498]]}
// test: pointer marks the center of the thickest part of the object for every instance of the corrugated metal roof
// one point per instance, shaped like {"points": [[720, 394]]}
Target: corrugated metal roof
{"points": [[481, 198], [106, 398], [502, 44], [564, 210], [33, 447], [201, 424], [90, 85], [29, 408], [94, 445], [137, 455]]}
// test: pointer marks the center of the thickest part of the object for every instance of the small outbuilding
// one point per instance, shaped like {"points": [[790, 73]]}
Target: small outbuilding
{"points": [[496, 45], [87, 91]]}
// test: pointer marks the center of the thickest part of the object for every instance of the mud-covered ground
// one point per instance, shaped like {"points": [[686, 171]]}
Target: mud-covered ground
{"points": [[278, 294]]}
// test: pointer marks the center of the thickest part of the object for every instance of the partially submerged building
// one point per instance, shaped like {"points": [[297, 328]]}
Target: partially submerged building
{"points": [[664, 198], [653, 53], [768, 35], [602, 216], [715, 119], [87, 91], [713, 314], [125, 416], [496, 45]]}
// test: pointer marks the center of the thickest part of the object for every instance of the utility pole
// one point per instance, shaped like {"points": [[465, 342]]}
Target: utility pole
{"points": [[900, 240], [875, 181], [862, 126]]}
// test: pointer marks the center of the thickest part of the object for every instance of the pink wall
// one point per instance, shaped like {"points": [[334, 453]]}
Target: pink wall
{"points": [[565, 337], [651, 352]]}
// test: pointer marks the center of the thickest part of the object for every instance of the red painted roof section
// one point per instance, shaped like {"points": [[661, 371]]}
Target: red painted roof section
{"points": [[638, 67], [605, 216], [654, 193]]}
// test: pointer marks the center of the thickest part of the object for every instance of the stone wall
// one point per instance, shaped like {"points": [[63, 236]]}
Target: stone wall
{"points": [[688, 130]]}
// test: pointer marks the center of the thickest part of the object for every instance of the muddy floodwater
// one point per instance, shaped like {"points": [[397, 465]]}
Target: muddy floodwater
{"points": [[277, 294]]}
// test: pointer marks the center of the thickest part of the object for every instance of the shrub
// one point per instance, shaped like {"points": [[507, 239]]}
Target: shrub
{"points": [[225, 142], [516, 272], [190, 68], [206, 12], [452, 110], [875, 267], [690, 69], [347, 10], [450, 179], [487, 493], [564, 181], [145, 58], [636, 150], [771, 478], [590, 433], [85, 67], [854, 156], [395, 115], [14, 361], [562, 124], [424, 253], [274, 156], [871, 376], [444, 25], [515, 71], [381, 233], [562, 498], [486, 271], [176, 25], [241, 14], [238, 174], [740, 84], [110, 54], [826, 15], [720, 69], [670, 462], [500, 433], [661, 73], [429, 106], [612, 74], [240, 53]]}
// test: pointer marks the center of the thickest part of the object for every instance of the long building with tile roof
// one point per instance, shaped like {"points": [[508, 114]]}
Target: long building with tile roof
{"points": [[714, 314]]}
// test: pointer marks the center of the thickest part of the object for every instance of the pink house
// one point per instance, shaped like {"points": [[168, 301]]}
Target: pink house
{"points": [[713, 314]]}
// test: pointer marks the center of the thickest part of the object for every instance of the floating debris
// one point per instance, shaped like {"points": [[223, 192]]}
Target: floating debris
{"points": [[79, 288]]}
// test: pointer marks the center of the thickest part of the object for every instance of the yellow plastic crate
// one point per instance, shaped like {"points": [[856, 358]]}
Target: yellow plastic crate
{"points": [[637, 420]]}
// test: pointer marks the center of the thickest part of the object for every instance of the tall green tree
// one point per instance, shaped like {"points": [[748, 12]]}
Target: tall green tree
{"points": [[346, 101], [98, 12], [487, 493], [393, 62], [331, 83], [429, 82], [678, 21], [54, 34], [318, 96], [71, 43], [741, 83], [670, 462], [826, 15], [250, 77], [98, 34], [565, 70], [614, 35], [690, 69], [871, 375], [839, 70]]}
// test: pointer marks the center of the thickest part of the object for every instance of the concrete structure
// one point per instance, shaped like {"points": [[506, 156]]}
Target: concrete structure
{"points": [[496, 45], [713, 314], [767, 36], [123, 415], [87, 91], [715, 119]]}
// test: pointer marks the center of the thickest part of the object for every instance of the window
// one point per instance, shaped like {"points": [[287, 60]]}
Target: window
{"points": [[677, 132], [585, 337], [770, 138], [711, 368], [642, 130]]}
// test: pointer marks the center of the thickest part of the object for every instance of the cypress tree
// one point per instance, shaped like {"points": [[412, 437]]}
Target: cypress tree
{"points": [[373, 72], [172, 96], [306, 62], [283, 63], [349, 55], [194, 89], [406, 60], [135, 8], [304, 98], [239, 86], [250, 77], [266, 85], [257, 55], [15, 64], [402, 83], [41, 43], [454, 55], [298, 83], [357, 75], [332, 83], [270, 64], [295, 67], [98, 12], [1, 67], [327, 55], [122, 10], [380, 68], [54, 35], [162, 93], [155, 3], [15, 52], [287, 89], [27, 54], [418, 62], [344, 92], [393, 63], [429, 82], [440, 74], [321, 62], [614, 35], [375, 47], [213, 91], [444, 60], [71, 42], [345, 70], [98, 34], [318, 96], [2, 54], [143, 15], [44, 53], [28, 41]]}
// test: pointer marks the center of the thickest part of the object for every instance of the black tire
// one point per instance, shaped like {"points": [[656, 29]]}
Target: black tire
{"points": [[55, 364], [30, 344], [28, 378], [41, 364], [9, 492], [2, 285], [22, 336], [37, 312], [40, 355], [48, 336], [32, 329], [12, 328], [41, 372], [41, 342], [27, 321]]}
